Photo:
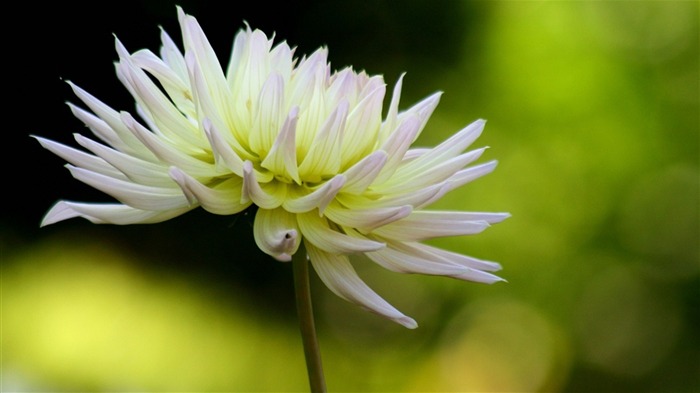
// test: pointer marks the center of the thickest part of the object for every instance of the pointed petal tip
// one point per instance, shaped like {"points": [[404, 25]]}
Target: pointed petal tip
{"points": [[407, 322], [482, 277], [59, 211]]}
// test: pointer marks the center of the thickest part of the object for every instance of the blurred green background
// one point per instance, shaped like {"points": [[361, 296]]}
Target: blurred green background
{"points": [[593, 113]]}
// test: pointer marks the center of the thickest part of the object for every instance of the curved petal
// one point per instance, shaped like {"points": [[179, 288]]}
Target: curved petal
{"points": [[391, 116], [268, 115], [323, 158], [276, 233], [319, 198], [80, 158], [203, 54], [448, 149], [423, 225], [269, 197], [417, 199], [363, 173], [136, 169], [397, 145], [167, 152], [132, 194], [469, 174], [363, 123], [282, 158], [365, 220], [168, 119], [317, 231], [109, 213], [117, 133], [409, 182], [175, 85], [208, 108], [339, 276], [224, 198], [437, 169], [224, 155], [464, 260], [412, 258]]}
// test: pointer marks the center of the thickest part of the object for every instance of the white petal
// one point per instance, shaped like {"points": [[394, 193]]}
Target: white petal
{"points": [[175, 84], [268, 115], [422, 110], [249, 68], [136, 169], [109, 213], [166, 117], [396, 146], [406, 262], [422, 225], [419, 258], [224, 155], [417, 199], [317, 231], [365, 219], [412, 154], [391, 117], [281, 60], [167, 152], [276, 233], [100, 129], [324, 157], [364, 172], [269, 197], [404, 183], [363, 123], [172, 56], [282, 158], [469, 174], [319, 198], [343, 86], [132, 194], [129, 143], [339, 276], [464, 260], [224, 198], [208, 104], [196, 43], [308, 94], [80, 158], [435, 169], [450, 147], [491, 218]]}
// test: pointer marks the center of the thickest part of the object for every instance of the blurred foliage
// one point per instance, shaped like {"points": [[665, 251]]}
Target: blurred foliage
{"points": [[593, 112]]}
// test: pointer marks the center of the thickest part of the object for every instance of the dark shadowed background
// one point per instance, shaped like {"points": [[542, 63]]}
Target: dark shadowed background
{"points": [[593, 113]]}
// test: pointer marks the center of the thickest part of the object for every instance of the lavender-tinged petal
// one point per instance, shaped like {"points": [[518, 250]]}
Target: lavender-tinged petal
{"points": [[365, 219], [282, 158], [317, 231], [80, 158], [136, 169], [132, 194], [340, 277], [318, 198], [270, 197], [223, 199], [276, 233], [108, 213]]}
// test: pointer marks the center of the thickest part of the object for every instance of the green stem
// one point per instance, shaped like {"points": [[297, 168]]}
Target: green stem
{"points": [[302, 290]]}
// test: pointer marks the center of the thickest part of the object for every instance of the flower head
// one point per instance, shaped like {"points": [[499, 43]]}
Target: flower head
{"points": [[306, 145]]}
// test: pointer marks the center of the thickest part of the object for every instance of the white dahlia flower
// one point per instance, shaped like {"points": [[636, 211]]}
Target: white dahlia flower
{"points": [[307, 146]]}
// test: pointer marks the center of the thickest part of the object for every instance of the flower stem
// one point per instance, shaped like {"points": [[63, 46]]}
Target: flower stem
{"points": [[300, 264]]}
